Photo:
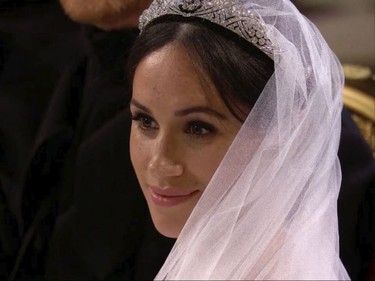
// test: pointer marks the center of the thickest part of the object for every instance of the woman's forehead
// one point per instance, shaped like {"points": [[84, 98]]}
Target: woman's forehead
{"points": [[169, 73]]}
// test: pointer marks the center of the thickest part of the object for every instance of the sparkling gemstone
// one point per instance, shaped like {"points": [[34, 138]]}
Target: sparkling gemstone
{"points": [[227, 13], [189, 6], [260, 34]]}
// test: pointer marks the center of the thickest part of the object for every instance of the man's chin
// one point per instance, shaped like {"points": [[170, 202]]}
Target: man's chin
{"points": [[105, 14]]}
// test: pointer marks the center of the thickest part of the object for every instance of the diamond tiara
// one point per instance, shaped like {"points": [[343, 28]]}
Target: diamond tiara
{"points": [[226, 13]]}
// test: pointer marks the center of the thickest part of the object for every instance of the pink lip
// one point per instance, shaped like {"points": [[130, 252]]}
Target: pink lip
{"points": [[169, 197]]}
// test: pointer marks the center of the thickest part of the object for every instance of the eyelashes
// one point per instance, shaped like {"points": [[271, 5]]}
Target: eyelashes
{"points": [[200, 129], [144, 121], [195, 129]]}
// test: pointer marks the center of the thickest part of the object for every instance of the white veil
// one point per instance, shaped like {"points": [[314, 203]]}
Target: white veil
{"points": [[270, 210]]}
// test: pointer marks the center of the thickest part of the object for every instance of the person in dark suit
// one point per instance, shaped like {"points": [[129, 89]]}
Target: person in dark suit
{"points": [[82, 216], [36, 40], [356, 200]]}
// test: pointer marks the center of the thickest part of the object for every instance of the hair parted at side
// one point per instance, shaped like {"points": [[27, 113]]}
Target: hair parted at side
{"points": [[237, 69], [270, 209]]}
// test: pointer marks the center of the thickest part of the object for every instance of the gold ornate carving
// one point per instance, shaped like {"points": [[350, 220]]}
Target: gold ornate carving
{"points": [[362, 107]]}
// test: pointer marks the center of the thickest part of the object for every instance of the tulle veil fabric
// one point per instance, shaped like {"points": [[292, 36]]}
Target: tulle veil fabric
{"points": [[270, 210]]}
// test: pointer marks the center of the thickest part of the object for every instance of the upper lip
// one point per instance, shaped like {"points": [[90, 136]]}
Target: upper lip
{"points": [[170, 191]]}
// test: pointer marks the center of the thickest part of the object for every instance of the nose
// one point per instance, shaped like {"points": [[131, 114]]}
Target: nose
{"points": [[165, 161]]}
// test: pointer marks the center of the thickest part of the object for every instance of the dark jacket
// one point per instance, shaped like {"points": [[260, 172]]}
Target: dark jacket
{"points": [[36, 41], [71, 208], [356, 203], [94, 220]]}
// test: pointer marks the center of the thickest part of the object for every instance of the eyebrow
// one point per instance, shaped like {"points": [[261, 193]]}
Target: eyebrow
{"points": [[184, 112], [140, 106], [199, 109]]}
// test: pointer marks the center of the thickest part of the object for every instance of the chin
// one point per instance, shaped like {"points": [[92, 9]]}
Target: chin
{"points": [[167, 228], [170, 233], [167, 225], [93, 11]]}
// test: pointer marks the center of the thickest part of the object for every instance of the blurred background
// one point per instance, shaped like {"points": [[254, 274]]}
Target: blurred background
{"points": [[349, 28], [347, 25]]}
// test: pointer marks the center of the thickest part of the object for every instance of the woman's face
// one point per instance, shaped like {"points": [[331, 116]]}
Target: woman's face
{"points": [[180, 132]]}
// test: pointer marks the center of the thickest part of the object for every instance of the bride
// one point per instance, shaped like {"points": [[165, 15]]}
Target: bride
{"points": [[236, 123]]}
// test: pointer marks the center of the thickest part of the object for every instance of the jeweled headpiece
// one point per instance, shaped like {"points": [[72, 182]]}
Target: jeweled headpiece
{"points": [[230, 14]]}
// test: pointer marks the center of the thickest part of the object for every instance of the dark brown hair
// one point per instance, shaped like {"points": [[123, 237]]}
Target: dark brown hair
{"points": [[237, 69]]}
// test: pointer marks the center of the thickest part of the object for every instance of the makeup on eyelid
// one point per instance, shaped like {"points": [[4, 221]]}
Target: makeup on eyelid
{"points": [[178, 137]]}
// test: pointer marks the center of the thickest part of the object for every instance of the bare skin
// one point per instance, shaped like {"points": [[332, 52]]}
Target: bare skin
{"points": [[180, 133], [106, 14]]}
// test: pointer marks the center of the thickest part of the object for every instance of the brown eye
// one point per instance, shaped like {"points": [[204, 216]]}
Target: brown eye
{"points": [[200, 129], [144, 121]]}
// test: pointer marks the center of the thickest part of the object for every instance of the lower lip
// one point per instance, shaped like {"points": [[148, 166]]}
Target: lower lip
{"points": [[170, 201]]}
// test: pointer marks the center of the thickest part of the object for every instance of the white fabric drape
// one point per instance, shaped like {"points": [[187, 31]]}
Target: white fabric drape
{"points": [[270, 210]]}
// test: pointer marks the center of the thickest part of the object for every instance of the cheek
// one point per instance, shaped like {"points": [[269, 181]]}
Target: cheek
{"points": [[206, 162]]}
